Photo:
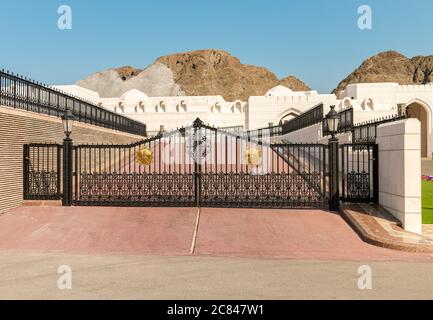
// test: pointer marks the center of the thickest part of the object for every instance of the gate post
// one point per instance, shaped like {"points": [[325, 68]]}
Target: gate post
{"points": [[26, 171], [376, 173], [67, 172], [334, 194]]}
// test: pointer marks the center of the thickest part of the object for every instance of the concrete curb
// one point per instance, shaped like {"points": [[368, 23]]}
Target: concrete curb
{"points": [[368, 236]]}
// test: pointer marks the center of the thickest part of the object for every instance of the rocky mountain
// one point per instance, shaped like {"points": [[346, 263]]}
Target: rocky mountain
{"points": [[201, 72], [391, 66]]}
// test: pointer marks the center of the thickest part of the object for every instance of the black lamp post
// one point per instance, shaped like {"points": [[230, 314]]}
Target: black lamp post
{"points": [[68, 122], [332, 120]]}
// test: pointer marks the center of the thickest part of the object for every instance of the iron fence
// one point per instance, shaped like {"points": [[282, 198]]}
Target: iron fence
{"points": [[306, 119], [366, 132], [22, 93]]}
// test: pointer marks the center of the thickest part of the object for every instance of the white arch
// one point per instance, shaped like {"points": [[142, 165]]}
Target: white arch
{"points": [[368, 103], [141, 105], [181, 106], [216, 106], [287, 112], [237, 106], [422, 102], [346, 103], [428, 109], [161, 106]]}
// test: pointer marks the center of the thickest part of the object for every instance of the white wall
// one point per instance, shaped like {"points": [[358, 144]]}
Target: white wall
{"points": [[400, 171], [264, 109], [310, 134]]}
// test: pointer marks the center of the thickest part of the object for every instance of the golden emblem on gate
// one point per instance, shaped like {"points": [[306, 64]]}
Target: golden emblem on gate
{"points": [[144, 156], [253, 156]]}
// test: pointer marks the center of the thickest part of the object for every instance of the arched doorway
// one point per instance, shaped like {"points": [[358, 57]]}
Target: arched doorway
{"points": [[418, 111], [288, 117]]}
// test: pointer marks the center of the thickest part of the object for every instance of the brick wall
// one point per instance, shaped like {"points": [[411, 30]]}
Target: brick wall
{"points": [[19, 127]]}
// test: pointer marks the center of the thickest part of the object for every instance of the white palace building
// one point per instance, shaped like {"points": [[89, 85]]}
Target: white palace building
{"points": [[368, 100]]}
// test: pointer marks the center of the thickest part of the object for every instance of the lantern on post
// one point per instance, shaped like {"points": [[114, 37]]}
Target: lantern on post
{"points": [[332, 120], [68, 123]]}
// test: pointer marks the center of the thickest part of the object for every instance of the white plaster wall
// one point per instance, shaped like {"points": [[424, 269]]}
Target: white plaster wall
{"points": [[264, 109], [78, 91], [400, 171], [311, 134]]}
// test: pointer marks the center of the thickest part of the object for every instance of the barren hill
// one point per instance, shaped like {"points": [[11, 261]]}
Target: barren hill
{"points": [[391, 66], [201, 72]]}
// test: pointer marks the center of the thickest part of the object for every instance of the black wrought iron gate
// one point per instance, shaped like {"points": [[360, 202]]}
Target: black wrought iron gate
{"points": [[42, 171], [360, 173], [200, 165]]}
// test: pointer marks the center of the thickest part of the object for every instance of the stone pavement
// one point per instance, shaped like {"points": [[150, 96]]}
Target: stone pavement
{"points": [[378, 227], [258, 233], [35, 276]]}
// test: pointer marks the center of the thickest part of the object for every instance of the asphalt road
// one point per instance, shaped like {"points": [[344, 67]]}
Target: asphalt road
{"points": [[35, 276]]}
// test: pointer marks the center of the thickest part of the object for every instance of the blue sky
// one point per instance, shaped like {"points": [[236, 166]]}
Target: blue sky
{"points": [[318, 41]]}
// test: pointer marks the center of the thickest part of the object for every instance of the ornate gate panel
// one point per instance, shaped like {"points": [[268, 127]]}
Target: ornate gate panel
{"points": [[146, 173], [201, 166], [42, 171], [249, 172], [359, 166]]}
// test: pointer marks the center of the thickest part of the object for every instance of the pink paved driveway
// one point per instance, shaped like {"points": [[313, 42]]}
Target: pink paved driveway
{"points": [[156, 231], [295, 234]]}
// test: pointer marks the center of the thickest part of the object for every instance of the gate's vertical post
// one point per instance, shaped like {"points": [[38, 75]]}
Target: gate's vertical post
{"points": [[67, 172], [334, 194], [197, 125], [332, 120], [68, 121], [376, 173], [26, 163], [59, 171]]}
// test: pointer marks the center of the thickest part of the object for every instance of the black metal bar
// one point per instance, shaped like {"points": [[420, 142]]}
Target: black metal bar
{"points": [[375, 173], [58, 169], [334, 196], [75, 174], [26, 162], [67, 172]]}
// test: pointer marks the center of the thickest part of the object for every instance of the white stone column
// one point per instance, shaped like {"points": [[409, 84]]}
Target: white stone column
{"points": [[400, 171]]}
